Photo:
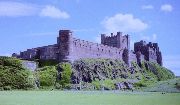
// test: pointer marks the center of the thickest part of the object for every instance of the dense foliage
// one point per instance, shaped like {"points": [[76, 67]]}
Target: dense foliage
{"points": [[50, 62], [13, 75], [47, 76], [161, 73], [89, 73], [65, 72]]}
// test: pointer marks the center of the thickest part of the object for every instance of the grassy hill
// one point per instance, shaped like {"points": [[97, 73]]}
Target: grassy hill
{"points": [[112, 74], [172, 85], [87, 74]]}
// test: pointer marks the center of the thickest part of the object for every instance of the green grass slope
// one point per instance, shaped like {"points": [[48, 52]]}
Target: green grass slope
{"points": [[172, 85]]}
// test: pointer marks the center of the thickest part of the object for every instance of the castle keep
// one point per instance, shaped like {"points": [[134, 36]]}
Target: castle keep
{"points": [[116, 46]]}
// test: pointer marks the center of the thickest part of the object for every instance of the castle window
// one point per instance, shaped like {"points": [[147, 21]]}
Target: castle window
{"points": [[98, 49]]}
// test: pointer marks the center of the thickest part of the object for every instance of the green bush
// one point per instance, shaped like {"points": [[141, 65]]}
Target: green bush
{"points": [[177, 85], [10, 61], [1, 88], [140, 84], [50, 62], [12, 74], [7, 87], [96, 84], [47, 75], [65, 72], [109, 84], [58, 86]]}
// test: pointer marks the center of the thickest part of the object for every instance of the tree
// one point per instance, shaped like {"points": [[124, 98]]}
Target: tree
{"points": [[65, 71]]}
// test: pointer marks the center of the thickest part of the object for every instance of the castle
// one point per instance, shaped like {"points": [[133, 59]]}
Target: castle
{"points": [[116, 46]]}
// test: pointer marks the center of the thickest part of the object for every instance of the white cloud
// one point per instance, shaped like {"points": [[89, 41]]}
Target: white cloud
{"points": [[124, 23], [53, 12], [148, 7], [166, 8], [16, 9], [172, 62]]}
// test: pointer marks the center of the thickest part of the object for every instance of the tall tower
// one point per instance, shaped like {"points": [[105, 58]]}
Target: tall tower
{"points": [[65, 41], [119, 41]]}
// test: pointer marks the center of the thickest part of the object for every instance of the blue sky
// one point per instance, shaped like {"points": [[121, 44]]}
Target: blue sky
{"points": [[32, 23]]}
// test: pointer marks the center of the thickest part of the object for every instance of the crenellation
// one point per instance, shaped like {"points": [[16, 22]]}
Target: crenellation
{"points": [[150, 51], [116, 46]]}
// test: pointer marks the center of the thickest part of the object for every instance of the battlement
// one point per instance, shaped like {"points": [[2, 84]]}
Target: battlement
{"points": [[149, 50], [116, 46], [118, 40]]}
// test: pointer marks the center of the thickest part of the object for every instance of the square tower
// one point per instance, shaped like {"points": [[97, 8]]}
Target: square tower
{"points": [[64, 42], [119, 41]]}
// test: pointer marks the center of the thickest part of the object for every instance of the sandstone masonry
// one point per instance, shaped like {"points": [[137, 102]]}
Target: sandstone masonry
{"points": [[116, 46]]}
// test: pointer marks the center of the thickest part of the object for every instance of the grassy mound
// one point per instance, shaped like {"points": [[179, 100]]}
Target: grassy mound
{"points": [[172, 85]]}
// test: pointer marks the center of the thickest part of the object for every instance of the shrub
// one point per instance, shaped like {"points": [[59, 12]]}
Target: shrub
{"points": [[177, 85], [58, 86], [50, 62], [65, 72], [140, 84], [7, 87], [47, 75], [109, 84], [96, 84], [12, 74], [1, 88]]}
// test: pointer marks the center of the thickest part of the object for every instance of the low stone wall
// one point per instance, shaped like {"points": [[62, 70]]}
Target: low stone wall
{"points": [[30, 65]]}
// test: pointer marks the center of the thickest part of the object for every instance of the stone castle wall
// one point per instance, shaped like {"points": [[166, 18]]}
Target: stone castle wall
{"points": [[117, 46], [150, 51], [85, 49], [72, 49]]}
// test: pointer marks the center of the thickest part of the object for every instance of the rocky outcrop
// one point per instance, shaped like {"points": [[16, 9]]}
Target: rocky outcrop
{"points": [[123, 76]]}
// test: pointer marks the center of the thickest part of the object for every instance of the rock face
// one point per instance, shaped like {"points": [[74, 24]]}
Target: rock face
{"points": [[122, 76], [30, 65], [88, 70], [124, 85]]}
